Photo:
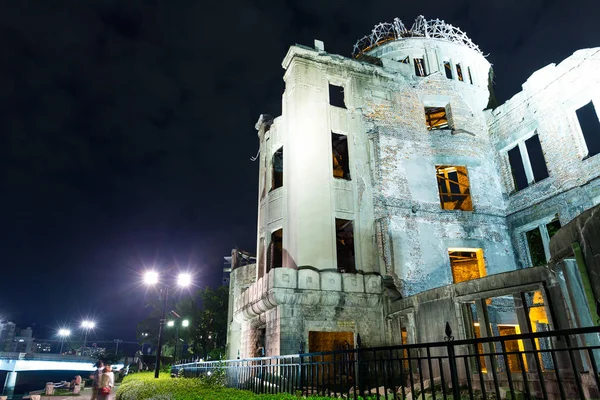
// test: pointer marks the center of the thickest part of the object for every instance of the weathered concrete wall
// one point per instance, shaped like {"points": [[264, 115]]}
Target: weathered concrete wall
{"points": [[547, 106]]}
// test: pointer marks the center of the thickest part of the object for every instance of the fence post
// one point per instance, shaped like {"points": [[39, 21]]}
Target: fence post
{"points": [[359, 375], [452, 362], [301, 383]]}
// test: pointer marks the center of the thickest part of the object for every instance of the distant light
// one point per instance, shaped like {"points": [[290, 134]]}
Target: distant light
{"points": [[87, 324], [185, 323], [151, 277], [63, 333], [21, 340], [209, 373], [171, 323], [184, 279]]}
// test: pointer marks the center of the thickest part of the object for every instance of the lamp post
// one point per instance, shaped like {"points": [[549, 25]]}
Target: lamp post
{"points": [[152, 278], [184, 324], [86, 325], [63, 333]]}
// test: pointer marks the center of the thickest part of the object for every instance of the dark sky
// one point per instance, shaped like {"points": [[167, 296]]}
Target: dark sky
{"points": [[127, 127]]}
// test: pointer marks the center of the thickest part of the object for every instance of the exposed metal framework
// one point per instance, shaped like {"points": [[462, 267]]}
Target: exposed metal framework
{"points": [[434, 28]]}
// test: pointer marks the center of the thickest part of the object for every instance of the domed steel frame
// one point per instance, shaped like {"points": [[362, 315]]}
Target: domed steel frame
{"points": [[388, 31]]}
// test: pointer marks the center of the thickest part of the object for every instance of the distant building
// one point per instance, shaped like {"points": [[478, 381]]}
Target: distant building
{"points": [[7, 335], [42, 347]]}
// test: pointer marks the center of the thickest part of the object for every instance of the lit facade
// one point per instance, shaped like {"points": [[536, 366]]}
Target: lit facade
{"points": [[393, 200]]}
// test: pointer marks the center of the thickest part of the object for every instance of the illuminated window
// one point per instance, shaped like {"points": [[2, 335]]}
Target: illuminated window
{"points": [[420, 67], [590, 127], [466, 264], [344, 243], [436, 118], [336, 96], [341, 164], [538, 242], [277, 169], [527, 162], [459, 73], [453, 185], [275, 256], [448, 69]]}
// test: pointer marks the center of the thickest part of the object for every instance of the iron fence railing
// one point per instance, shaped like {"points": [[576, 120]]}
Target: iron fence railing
{"points": [[548, 365]]}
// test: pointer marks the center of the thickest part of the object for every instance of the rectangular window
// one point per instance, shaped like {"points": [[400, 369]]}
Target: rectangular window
{"points": [[536, 158], [527, 162], [341, 164], [436, 118], [420, 67], [336, 96], [470, 76], [590, 127], [275, 256], [277, 169], [459, 73], [448, 69], [466, 264], [517, 169], [454, 190], [344, 243], [538, 242]]}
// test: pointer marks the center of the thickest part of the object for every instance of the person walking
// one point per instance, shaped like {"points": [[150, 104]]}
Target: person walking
{"points": [[107, 381], [96, 379]]}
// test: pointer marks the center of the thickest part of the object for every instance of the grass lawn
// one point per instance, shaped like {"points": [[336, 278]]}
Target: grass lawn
{"points": [[143, 386]]}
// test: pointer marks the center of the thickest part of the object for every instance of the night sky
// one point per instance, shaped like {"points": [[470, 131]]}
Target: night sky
{"points": [[127, 127]]}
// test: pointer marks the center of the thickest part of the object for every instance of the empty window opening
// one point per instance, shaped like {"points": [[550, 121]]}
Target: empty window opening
{"points": [[590, 127], [448, 69], [517, 169], [420, 67], [277, 169], [459, 73], [538, 242], [436, 118], [275, 256], [536, 158], [454, 189], [405, 60], [527, 163], [344, 243], [466, 264], [341, 164], [470, 76], [336, 96]]}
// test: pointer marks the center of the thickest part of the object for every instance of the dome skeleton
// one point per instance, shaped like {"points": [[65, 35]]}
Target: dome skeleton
{"points": [[435, 28]]}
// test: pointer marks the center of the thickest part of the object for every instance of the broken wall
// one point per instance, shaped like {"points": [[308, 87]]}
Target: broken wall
{"points": [[547, 107]]}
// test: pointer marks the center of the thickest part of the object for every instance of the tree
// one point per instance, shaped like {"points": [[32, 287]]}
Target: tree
{"points": [[208, 329], [206, 311]]}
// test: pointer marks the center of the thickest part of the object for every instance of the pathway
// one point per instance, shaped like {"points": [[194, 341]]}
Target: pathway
{"points": [[86, 394]]}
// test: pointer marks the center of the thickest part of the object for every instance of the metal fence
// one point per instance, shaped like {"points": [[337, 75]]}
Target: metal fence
{"points": [[545, 365]]}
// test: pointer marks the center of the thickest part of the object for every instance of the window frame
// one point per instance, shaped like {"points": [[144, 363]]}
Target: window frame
{"points": [[529, 174]]}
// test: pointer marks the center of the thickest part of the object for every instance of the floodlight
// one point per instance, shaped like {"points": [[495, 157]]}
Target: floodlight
{"points": [[184, 279], [151, 278]]}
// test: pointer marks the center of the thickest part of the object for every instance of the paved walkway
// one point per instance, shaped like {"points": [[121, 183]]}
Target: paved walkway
{"points": [[86, 394]]}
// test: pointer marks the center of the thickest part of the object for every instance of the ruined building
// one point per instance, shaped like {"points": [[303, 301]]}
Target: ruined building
{"points": [[394, 198]]}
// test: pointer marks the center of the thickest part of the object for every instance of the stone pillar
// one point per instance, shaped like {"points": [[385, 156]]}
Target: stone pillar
{"points": [[525, 326], [485, 331]]}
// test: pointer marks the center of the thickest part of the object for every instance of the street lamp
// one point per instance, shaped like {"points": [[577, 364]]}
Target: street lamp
{"points": [[184, 324], [63, 333], [152, 278], [86, 324]]}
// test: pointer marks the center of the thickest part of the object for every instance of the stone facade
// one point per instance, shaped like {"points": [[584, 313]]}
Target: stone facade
{"points": [[403, 233]]}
